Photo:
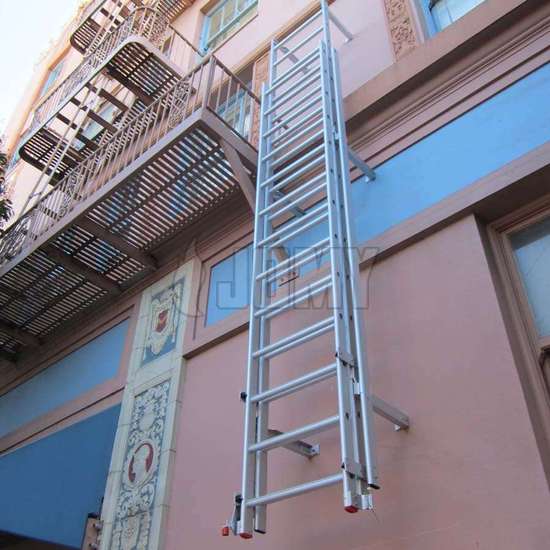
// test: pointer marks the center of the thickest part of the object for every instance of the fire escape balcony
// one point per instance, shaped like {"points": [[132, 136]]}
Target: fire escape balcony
{"points": [[100, 16], [144, 54], [107, 222]]}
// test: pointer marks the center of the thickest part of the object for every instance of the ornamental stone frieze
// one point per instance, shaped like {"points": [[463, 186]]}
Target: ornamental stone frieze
{"points": [[401, 22]]}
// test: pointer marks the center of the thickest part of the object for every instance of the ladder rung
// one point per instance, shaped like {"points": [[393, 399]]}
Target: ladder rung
{"points": [[297, 30], [284, 145], [298, 226], [295, 435], [292, 199], [297, 260], [304, 145], [314, 93], [295, 90], [296, 127], [316, 154], [295, 385], [284, 123], [300, 337], [275, 496], [298, 46], [278, 307], [310, 57]]}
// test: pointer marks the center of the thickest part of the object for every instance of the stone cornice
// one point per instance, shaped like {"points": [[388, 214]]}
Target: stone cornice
{"points": [[396, 108]]}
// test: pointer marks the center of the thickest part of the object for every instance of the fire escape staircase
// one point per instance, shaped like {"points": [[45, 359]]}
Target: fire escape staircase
{"points": [[100, 16], [108, 205]]}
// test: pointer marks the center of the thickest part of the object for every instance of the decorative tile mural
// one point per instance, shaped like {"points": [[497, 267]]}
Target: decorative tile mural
{"points": [[132, 525], [165, 316], [136, 500]]}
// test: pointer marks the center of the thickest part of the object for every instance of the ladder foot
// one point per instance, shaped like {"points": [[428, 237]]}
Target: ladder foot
{"points": [[351, 509], [225, 531], [245, 536]]}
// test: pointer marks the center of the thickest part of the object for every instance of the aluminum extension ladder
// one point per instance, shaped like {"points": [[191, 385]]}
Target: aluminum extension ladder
{"points": [[304, 160]]}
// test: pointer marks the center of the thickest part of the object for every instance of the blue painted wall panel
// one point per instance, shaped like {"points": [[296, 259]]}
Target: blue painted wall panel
{"points": [[50, 486], [503, 128], [74, 375]]}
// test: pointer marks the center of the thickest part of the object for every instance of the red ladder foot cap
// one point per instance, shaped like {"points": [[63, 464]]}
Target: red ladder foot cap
{"points": [[351, 509], [225, 531], [246, 535]]}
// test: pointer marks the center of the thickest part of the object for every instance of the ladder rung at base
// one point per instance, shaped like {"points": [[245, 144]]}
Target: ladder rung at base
{"points": [[295, 385], [295, 435], [297, 490]]}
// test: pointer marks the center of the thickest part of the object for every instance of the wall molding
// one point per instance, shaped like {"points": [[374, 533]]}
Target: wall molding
{"points": [[386, 115]]}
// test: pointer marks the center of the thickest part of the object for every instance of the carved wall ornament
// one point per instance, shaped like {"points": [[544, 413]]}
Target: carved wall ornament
{"points": [[261, 75], [403, 32]]}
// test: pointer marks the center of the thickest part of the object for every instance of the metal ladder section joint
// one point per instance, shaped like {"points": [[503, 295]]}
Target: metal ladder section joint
{"points": [[303, 182]]}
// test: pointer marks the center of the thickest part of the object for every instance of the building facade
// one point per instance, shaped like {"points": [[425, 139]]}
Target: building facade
{"points": [[125, 278]]}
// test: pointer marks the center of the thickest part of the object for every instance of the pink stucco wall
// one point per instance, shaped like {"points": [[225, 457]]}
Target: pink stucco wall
{"points": [[466, 476]]}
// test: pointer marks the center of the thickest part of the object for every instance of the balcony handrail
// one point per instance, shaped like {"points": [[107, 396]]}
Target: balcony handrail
{"points": [[210, 84], [145, 22]]}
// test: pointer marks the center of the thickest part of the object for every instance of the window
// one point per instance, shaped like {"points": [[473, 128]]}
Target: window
{"points": [[230, 286], [531, 247], [237, 112], [225, 18], [53, 75], [230, 280], [92, 129], [442, 13], [526, 248]]}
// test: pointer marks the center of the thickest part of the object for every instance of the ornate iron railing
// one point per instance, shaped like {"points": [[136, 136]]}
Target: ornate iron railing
{"points": [[143, 23], [210, 85]]}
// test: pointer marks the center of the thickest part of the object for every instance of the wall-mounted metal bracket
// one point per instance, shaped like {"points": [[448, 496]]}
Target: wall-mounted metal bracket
{"points": [[362, 165], [299, 447]]}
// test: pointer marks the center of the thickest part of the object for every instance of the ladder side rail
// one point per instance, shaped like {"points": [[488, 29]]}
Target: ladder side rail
{"points": [[255, 464], [262, 426], [354, 462], [366, 402], [346, 401]]}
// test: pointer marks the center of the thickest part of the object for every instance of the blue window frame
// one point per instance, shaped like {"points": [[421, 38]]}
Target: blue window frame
{"points": [[439, 14], [224, 19]]}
